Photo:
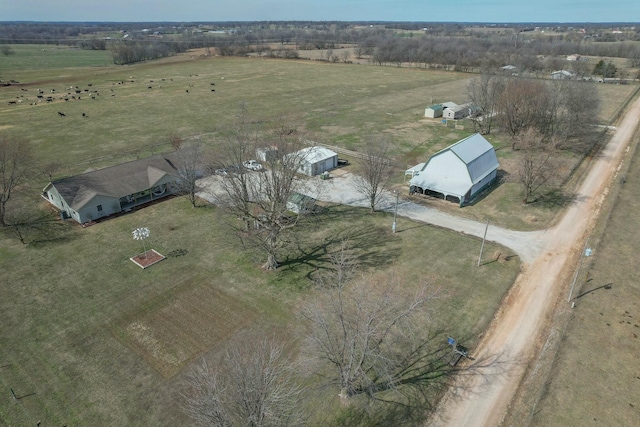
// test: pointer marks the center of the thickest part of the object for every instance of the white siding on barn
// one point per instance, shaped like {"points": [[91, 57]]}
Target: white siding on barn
{"points": [[461, 170]]}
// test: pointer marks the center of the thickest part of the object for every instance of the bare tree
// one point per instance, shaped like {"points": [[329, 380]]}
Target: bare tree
{"points": [[523, 104], [536, 165], [372, 335], [190, 167], [29, 225], [343, 265], [16, 163], [580, 105], [253, 385], [259, 198], [483, 92], [373, 170]]}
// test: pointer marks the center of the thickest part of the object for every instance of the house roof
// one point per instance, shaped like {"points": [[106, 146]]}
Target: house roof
{"points": [[436, 107], [316, 154], [563, 72], [116, 181]]}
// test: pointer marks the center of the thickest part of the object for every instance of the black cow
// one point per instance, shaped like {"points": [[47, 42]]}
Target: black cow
{"points": [[61, 114]]}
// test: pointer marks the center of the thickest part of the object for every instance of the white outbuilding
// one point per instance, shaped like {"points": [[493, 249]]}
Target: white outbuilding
{"points": [[434, 111], [457, 173], [316, 160]]}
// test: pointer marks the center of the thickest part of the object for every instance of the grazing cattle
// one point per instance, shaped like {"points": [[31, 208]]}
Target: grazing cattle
{"points": [[39, 96], [12, 102], [212, 84], [90, 84], [84, 115], [78, 91], [213, 90], [187, 90], [149, 87], [61, 114], [24, 90]]}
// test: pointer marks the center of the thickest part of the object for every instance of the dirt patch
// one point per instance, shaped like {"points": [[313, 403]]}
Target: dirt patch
{"points": [[181, 326]]}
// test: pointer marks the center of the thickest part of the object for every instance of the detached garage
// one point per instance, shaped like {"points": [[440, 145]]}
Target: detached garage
{"points": [[457, 173], [316, 160]]}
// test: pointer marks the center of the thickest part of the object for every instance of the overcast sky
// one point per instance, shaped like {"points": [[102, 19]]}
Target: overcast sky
{"points": [[322, 10]]}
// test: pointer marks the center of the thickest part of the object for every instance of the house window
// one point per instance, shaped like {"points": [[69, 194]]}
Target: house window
{"points": [[99, 208]]}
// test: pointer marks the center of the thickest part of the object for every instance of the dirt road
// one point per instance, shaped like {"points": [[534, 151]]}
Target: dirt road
{"points": [[483, 400]]}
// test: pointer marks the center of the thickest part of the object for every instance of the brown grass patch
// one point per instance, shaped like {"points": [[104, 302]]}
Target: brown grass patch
{"points": [[177, 328]]}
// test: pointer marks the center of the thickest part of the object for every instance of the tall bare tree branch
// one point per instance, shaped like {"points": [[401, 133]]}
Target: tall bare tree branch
{"points": [[373, 169], [372, 334], [253, 386], [16, 163]]}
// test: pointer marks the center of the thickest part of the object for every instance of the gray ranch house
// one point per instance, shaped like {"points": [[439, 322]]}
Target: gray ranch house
{"points": [[103, 192], [457, 173]]}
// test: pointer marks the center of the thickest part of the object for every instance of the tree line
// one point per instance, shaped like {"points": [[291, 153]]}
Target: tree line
{"points": [[452, 46]]}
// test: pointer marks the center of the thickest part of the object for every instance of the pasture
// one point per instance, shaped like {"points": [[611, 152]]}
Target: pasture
{"points": [[124, 112]]}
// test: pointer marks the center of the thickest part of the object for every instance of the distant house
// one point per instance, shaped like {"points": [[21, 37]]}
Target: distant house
{"points": [[574, 57], [458, 112], [103, 192], [434, 111], [316, 160], [562, 75], [509, 70], [457, 173]]}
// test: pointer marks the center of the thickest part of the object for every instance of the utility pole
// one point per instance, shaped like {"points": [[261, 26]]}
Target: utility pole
{"points": [[575, 277], [483, 239], [395, 213]]}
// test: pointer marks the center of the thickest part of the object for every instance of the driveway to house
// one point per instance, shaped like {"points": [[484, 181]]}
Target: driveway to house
{"points": [[340, 188]]}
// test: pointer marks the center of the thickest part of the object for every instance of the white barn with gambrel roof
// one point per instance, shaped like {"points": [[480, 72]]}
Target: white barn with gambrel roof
{"points": [[460, 171]]}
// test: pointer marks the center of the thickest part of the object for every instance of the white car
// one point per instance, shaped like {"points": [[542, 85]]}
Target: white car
{"points": [[252, 165]]}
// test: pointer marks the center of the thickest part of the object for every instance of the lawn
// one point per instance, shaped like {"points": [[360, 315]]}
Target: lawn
{"points": [[99, 340]]}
